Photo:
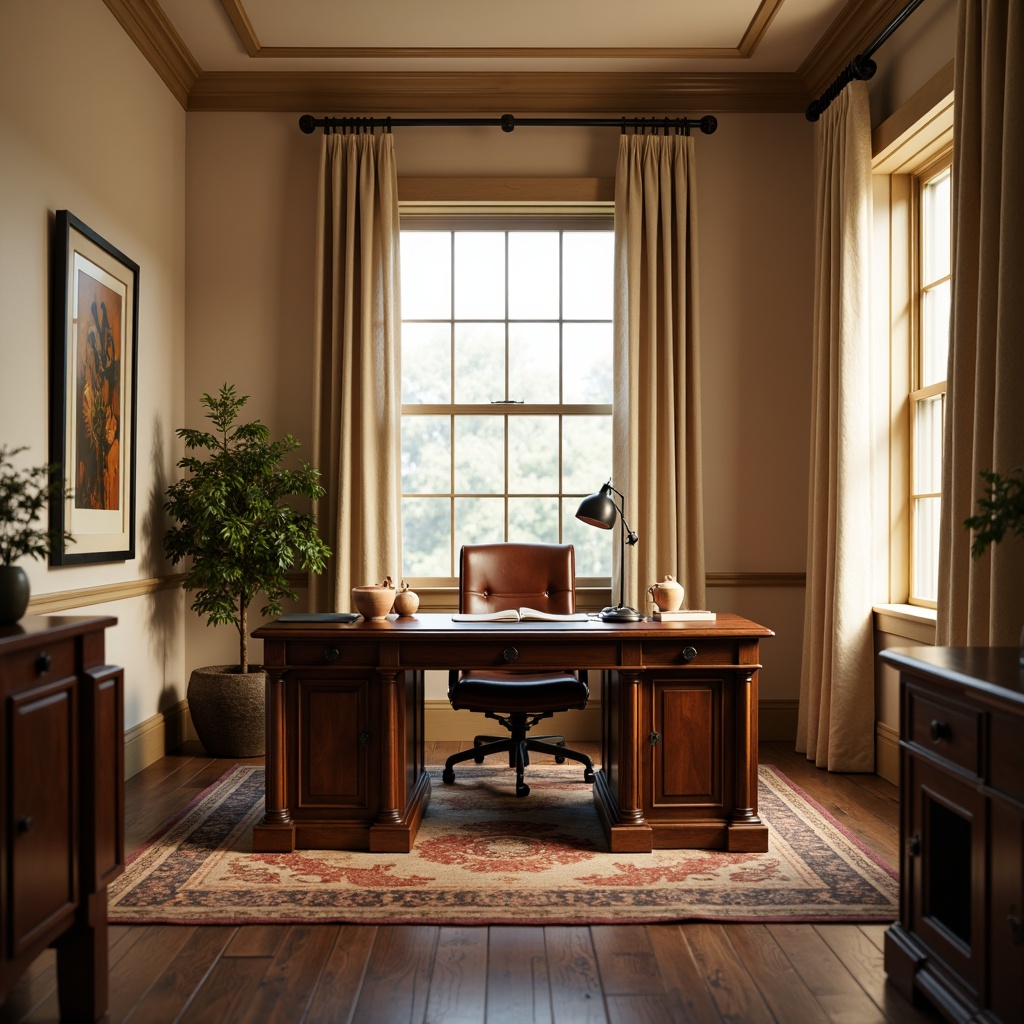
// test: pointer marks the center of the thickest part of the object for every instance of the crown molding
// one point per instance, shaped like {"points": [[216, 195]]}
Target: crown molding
{"points": [[415, 92], [858, 25], [148, 27]]}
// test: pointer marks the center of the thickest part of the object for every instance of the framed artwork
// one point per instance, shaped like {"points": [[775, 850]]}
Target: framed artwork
{"points": [[94, 320]]}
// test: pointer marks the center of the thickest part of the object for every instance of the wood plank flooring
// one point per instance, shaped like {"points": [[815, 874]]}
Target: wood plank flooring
{"points": [[676, 974]]}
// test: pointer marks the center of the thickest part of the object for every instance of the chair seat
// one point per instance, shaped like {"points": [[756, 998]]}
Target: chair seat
{"points": [[487, 691]]}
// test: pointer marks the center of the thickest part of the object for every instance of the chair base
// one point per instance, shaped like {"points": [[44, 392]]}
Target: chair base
{"points": [[518, 745]]}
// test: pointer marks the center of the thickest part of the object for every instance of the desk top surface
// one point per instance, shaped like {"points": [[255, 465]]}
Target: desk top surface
{"points": [[434, 625]]}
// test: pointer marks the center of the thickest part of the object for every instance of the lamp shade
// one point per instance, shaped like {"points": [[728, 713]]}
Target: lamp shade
{"points": [[598, 510]]}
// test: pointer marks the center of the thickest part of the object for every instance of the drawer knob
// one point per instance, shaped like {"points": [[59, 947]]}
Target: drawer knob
{"points": [[914, 846], [330, 654], [44, 662], [689, 653], [24, 823], [510, 654], [939, 731]]}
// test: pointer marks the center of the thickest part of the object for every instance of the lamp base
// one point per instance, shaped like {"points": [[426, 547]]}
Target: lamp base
{"points": [[621, 613]]}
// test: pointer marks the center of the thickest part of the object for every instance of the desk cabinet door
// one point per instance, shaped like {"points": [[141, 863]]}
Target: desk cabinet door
{"points": [[338, 747], [41, 830], [1006, 919], [685, 745]]}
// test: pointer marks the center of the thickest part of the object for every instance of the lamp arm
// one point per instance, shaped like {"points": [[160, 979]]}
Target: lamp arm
{"points": [[628, 536]]}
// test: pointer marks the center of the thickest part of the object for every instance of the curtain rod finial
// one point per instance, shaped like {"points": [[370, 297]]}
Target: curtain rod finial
{"points": [[508, 123], [307, 124], [708, 124]]}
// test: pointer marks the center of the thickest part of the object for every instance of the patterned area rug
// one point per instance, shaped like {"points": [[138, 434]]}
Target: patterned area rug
{"points": [[538, 860]]}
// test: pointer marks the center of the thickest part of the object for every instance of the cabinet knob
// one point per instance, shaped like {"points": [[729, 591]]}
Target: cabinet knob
{"points": [[510, 654], [24, 823], [44, 662], [689, 653], [914, 846], [939, 730], [330, 654]]}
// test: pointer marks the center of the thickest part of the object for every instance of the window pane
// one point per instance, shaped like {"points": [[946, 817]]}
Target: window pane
{"points": [[926, 548], [479, 521], [533, 520], [593, 547], [426, 460], [426, 275], [480, 454], [533, 362], [533, 455], [533, 275], [587, 363], [928, 445], [426, 366], [479, 363], [935, 334], [427, 537], [586, 453], [479, 275], [587, 275], [935, 227]]}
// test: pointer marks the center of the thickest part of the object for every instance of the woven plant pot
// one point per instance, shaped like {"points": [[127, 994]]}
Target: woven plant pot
{"points": [[228, 710]]}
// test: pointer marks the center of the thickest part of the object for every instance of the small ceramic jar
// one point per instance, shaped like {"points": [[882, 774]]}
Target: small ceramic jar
{"points": [[406, 601], [667, 595]]}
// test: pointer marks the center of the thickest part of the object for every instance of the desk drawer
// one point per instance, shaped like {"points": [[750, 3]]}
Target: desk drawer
{"points": [[944, 729], [697, 652], [321, 652], [526, 653], [47, 661]]}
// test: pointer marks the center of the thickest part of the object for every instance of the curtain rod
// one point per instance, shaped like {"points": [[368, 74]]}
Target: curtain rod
{"points": [[861, 68], [507, 123]]}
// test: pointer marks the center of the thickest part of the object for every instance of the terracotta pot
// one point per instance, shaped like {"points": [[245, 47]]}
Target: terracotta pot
{"points": [[667, 595], [14, 593], [374, 602], [228, 710]]}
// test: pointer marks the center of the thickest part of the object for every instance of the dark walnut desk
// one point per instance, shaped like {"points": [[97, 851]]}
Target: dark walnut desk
{"points": [[345, 726]]}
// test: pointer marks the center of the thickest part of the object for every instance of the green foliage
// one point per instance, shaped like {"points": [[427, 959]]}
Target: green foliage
{"points": [[23, 496], [1002, 510], [233, 518]]}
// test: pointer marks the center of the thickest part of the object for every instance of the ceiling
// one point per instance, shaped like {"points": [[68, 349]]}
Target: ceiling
{"points": [[615, 57]]}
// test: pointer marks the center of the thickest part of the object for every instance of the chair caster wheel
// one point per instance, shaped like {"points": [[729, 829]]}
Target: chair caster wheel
{"points": [[559, 760], [522, 789], [588, 775], [478, 760], [448, 776]]}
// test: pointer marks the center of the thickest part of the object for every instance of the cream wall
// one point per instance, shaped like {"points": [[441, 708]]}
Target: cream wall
{"points": [[251, 198], [87, 125]]}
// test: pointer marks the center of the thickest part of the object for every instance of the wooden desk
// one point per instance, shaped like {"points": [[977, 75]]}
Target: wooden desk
{"points": [[345, 726]]}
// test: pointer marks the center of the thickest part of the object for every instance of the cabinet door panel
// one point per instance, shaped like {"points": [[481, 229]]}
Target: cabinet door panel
{"points": [[686, 752], [336, 739], [1006, 920], [43, 823]]}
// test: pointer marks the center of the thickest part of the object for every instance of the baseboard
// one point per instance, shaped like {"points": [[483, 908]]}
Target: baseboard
{"points": [[776, 720], [152, 739], [887, 753]]}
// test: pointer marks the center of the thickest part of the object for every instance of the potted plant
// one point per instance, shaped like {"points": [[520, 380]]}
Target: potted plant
{"points": [[234, 522], [1002, 512], [23, 496]]}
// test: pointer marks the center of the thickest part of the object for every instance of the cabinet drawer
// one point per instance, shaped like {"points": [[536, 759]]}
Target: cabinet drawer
{"points": [[46, 661], [944, 729], [313, 653]]}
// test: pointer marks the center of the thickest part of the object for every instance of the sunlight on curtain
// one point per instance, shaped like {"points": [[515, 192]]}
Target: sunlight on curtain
{"points": [[357, 410], [656, 422]]}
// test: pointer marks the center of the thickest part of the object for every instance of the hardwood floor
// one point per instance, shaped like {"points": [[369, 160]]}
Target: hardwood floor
{"points": [[701, 973]]}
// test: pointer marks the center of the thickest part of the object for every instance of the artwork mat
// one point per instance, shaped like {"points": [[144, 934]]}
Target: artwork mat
{"points": [[100, 535]]}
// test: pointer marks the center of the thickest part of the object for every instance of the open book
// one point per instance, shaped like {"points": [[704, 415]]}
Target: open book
{"points": [[520, 615]]}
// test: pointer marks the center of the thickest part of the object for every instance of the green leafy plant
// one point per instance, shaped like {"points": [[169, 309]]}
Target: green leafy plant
{"points": [[1002, 510], [23, 497], [233, 518]]}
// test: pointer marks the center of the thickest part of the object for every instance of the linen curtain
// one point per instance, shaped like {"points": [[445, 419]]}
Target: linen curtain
{"points": [[656, 422], [357, 410], [835, 725], [981, 601]]}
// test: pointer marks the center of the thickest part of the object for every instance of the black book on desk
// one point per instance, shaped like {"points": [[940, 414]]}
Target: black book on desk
{"points": [[319, 617]]}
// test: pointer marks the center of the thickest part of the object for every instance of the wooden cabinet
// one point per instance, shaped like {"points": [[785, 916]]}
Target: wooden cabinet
{"points": [[960, 937], [61, 803]]}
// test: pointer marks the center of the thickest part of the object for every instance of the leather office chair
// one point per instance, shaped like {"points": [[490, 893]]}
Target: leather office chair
{"points": [[495, 577]]}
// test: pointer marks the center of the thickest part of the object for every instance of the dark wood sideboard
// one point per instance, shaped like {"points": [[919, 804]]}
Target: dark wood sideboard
{"points": [[61, 803], [345, 726], [960, 937]]}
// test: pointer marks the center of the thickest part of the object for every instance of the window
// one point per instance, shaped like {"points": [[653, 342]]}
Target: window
{"points": [[933, 283], [506, 391]]}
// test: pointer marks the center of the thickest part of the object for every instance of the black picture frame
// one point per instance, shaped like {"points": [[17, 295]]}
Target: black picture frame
{"points": [[94, 328]]}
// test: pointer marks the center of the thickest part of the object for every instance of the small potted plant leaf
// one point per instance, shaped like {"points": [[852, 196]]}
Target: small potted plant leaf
{"points": [[234, 521], [24, 494]]}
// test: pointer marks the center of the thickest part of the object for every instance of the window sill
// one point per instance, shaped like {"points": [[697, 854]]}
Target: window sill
{"points": [[907, 621]]}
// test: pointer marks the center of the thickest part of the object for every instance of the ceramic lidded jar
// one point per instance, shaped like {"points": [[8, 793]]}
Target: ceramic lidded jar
{"points": [[374, 602], [406, 601], [667, 595]]}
